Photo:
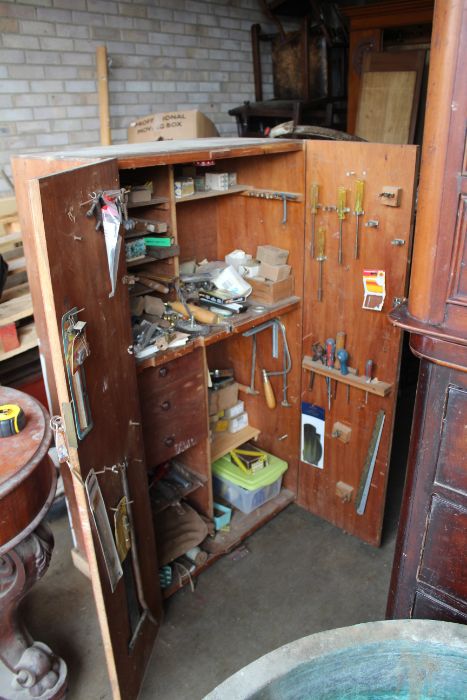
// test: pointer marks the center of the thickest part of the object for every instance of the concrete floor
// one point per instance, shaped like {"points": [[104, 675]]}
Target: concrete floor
{"points": [[295, 576]]}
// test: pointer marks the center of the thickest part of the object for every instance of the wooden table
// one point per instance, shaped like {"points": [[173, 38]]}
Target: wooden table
{"points": [[27, 486]]}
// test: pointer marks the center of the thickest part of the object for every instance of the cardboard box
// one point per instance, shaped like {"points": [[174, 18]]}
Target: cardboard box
{"points": [[139, 194], [267, 292], [272, 255], [171, 125], [222, 398], [184, 187], [275, 273]]}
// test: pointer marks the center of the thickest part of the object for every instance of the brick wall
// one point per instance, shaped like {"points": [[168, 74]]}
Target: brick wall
{"points": [[165, 55]]}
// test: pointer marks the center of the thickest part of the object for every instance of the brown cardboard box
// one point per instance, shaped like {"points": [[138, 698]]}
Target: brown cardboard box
{"points": [[275, 273], [223, 398], [267, 292], [272, 255], [171, 125]]}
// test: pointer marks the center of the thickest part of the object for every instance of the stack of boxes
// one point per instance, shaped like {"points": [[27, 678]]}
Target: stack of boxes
{"points": [[275, 281], [226, 412]]}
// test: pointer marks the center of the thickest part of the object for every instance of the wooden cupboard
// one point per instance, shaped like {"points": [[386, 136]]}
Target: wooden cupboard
{"points": [[145, 412], [429, 577]]}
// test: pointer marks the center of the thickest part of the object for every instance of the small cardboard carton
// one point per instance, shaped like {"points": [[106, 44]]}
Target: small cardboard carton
{"points": [[168, 126], [267, 292], [272, 255], [275, 273], [222, 398]]}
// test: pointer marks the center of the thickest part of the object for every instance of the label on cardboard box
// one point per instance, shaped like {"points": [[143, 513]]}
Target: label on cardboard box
{"points": [[171, 125]]}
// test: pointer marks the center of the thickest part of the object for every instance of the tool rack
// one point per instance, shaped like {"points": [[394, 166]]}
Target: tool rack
{"points": [[146, 412]]}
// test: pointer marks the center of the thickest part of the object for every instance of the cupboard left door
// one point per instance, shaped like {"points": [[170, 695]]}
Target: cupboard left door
{"points": [[95, 378]]}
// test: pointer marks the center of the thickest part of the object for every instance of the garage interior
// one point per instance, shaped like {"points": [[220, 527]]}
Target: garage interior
{"points": [[295, 91]]}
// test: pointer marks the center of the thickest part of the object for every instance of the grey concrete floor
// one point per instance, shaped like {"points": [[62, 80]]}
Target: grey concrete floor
{"points": [[295, 576]]}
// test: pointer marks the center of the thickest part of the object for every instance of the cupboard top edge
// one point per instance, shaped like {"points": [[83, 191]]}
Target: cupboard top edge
{"points": [[163, 152]]}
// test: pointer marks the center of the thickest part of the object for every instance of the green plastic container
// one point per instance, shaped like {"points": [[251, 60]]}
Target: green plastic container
{"points": [[247, 491]]}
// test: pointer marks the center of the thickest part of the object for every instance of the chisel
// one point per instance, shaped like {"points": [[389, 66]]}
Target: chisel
{"points": [[340, 345], [343, 357], [330, 357]]}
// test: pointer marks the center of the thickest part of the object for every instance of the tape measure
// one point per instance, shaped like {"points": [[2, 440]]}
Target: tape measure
{"points": [[12, 419]]}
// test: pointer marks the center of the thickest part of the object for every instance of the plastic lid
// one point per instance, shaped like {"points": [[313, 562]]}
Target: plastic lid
{"points": [[226, 469]]}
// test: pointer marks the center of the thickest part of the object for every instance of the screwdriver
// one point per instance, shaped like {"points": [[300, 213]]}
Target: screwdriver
{"points": [[368, 373], [341, 210], [314, 211], [321, 257], [330, 357], [359, 189]]}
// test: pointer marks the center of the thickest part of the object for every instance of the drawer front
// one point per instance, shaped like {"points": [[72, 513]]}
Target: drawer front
{"points": [[174, 418], [163, 376]]}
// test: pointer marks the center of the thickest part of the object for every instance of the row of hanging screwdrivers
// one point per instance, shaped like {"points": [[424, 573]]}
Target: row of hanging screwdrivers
{"points": [[332, 350], [318, 240]]}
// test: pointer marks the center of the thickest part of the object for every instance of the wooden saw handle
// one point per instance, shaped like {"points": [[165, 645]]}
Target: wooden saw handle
{"points": [[268, 391], [201, 315]]}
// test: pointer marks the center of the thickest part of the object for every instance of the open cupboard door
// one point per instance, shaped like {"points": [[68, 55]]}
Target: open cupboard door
{"points": [[347, 422], [107, 455]]}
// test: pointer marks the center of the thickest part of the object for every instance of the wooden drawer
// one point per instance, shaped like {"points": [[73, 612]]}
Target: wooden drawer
{"points": [[174, 415], [158, 378]]}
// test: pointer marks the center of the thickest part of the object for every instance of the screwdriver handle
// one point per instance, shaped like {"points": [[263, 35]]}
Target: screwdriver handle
{"points": [[341, 202], [343, 357], [368, 370], [330, 352], [340, 344], [314, 198], [359, 190]]}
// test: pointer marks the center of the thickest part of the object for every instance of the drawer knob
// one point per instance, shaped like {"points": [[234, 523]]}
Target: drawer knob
{"points": [[163, 372], [165, 405], [169, 441]]}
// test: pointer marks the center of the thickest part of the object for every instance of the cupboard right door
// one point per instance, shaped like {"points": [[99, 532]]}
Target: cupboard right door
{"points": [[359, 220]]}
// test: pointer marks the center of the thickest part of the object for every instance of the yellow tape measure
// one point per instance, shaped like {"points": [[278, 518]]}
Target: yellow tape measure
{"points": [[12, 419]]}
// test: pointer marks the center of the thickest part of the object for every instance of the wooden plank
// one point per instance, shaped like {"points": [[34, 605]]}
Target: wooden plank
{"points": [[235, 189], [28, 339], [15, 309], [389, 96], [376, 387], [224, 442]]}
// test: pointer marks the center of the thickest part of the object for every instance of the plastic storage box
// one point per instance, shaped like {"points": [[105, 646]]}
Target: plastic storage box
{"points": [[247, 491]]}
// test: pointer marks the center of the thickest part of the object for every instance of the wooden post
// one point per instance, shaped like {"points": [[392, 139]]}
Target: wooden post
{"points": [[103, 90]]}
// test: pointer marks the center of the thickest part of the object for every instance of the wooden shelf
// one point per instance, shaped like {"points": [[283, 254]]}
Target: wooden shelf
{"points": [[235, 189], [224, 442], [374, 387], [28, 339], [15, 309], [241, 526], [240, 323], [150, 203]]}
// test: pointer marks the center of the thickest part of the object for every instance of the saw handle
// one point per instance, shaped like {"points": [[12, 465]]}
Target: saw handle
{"points": [[268, 391]]}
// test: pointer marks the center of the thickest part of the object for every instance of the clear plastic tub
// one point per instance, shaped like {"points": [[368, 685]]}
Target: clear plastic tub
{"points": [[243, 499]]}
